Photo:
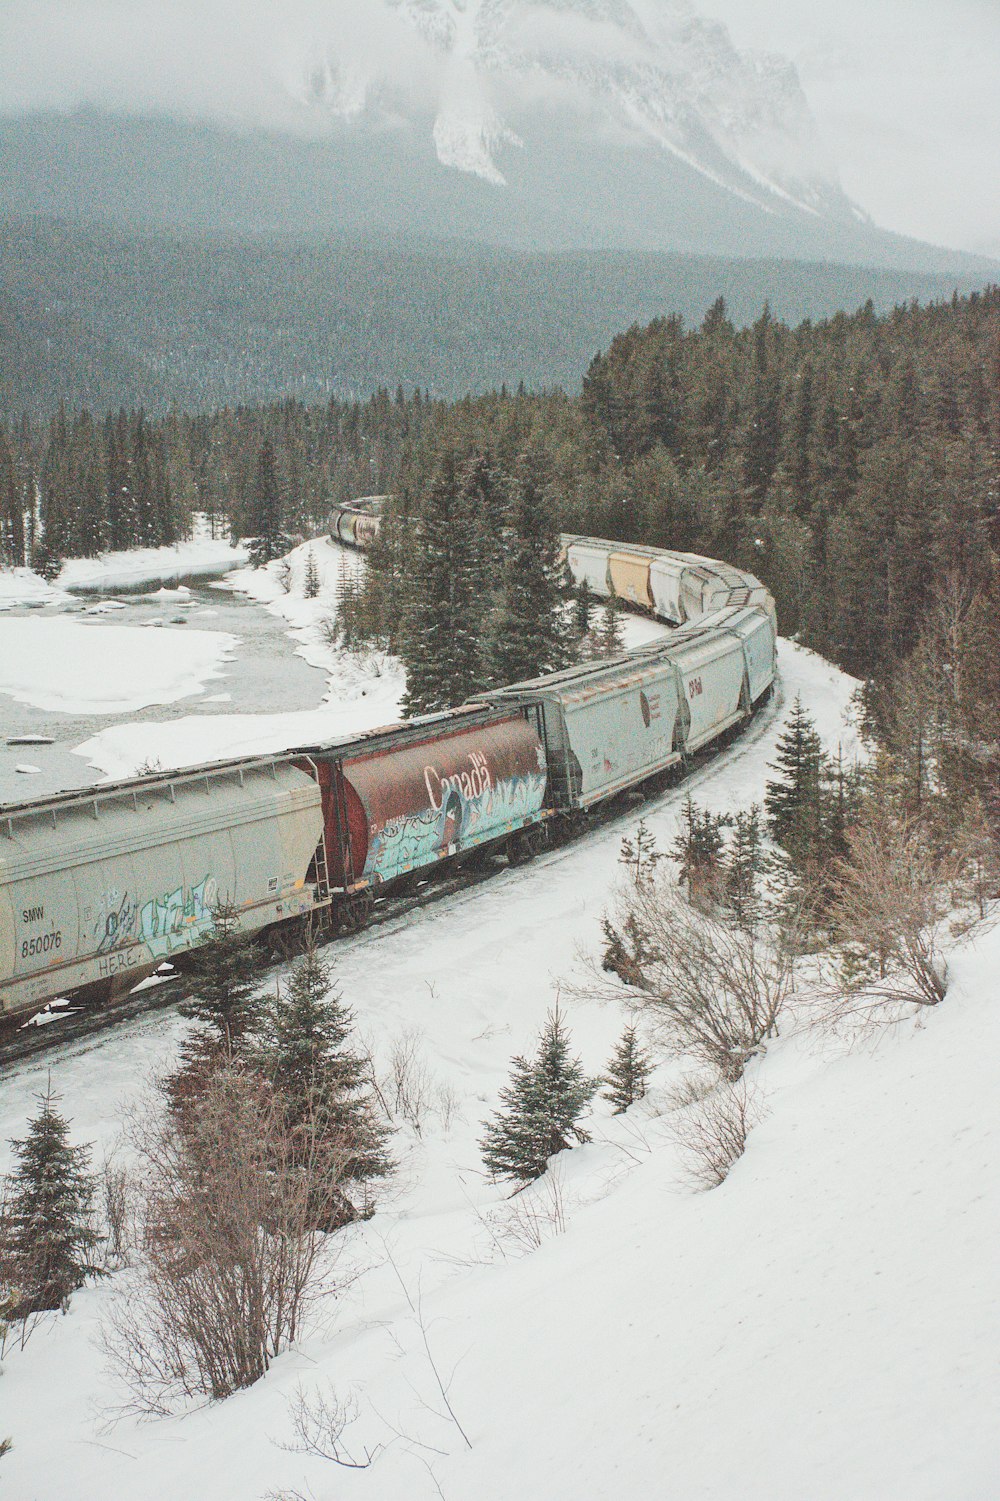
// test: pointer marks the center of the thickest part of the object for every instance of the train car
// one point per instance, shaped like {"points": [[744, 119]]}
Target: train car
{"points": [[588, 559], [628, 571], [755, 628], [99, 887], [713, 683], [356, 523], [677, 586], [606, 726], [399, 801]]}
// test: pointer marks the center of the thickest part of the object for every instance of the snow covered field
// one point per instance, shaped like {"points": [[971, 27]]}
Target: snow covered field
{"points": [[92, 667], [824, 1325], [202, 557]]}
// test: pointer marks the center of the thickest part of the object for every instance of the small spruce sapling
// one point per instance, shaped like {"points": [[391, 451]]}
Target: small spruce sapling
{"points": [[629, 1069], [224, 1002], [312, 581], [541, 1108], [640, 854], [49, 1231]]}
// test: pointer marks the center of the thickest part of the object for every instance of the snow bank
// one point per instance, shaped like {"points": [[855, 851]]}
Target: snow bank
{"points": [[19, 587], [199, 558], [75, 667]]}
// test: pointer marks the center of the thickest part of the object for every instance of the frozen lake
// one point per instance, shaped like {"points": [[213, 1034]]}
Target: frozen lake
{"points": [[261, 672]]}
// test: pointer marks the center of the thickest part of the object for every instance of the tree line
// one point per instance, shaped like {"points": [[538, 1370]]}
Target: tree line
{"points": [[851, 463]]}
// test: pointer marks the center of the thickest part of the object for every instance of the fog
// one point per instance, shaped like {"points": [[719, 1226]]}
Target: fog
{"points": [[907, 96], [904, 91]]}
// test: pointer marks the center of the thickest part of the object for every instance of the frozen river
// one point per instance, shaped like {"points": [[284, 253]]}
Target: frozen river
{"points": [[260, 672]]}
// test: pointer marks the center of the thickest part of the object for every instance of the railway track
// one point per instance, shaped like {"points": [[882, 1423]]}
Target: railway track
{"points": [[24, 1043]]}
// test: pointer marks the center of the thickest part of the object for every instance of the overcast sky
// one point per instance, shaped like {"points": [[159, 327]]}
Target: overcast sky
{"points": [[906, 92], [907, 96]]}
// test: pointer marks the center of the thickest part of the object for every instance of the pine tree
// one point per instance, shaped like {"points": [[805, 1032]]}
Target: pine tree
{"points": [[698, 851], [440, 646], [628, 1071], [583, 605], [540, 1110], [224, 1002], [609, 638], [264, 511], [794, 798], [49, 1231], [745, 865], [525, 631], [311, 587], [303, 1052], [640, 855]]}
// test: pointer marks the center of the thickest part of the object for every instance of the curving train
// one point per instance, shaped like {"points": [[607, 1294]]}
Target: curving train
{"points": [[100, 887]]}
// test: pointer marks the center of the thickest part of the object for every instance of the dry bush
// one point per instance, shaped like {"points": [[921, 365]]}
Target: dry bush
{"points": [[319, 1421], [533, 1216], [889, 907], [229, 1260], [712, 1131], [117, 1206], [714, 990], [411, 1079]]}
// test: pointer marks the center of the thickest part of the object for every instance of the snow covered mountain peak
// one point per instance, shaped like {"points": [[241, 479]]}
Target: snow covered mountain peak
{"points": [[656, 72]]}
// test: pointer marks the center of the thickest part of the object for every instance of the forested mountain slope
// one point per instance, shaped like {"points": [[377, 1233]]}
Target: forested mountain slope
{"points": [[101, 317]]}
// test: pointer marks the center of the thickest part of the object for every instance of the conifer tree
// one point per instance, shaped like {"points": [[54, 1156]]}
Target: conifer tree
{"points": [[745, 864], [440, 647], [265, 510], [698, 850], [49, 1232], [541, 1107], [609, 638], [303, 1051], [525, 631], [11, 517], [640, 854], [224, 1002], [794, 798], [583, 604], [628, 1071], [311, 585]]}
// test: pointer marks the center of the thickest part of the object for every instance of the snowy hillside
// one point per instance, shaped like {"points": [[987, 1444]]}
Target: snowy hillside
{"points": [[658, 73], [824, 1324]]}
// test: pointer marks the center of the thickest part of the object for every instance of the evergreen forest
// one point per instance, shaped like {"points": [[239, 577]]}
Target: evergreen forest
{"points": [[852, 463]]}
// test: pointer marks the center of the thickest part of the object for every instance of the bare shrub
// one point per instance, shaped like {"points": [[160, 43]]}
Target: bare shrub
{"points": [[230, 1262], [328, 630], [283, 574], [712, 1131], [410, 1088], [890, 900], [536, 1215], [715, 990], [116, 1207], [448, 1105], [319, 1421]]}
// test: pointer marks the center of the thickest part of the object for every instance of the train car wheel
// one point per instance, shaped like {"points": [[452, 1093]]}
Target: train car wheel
{"points": [[356, 912], [526, 845]]}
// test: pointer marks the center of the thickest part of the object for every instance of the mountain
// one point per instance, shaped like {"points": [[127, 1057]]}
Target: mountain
{"points": [[538, 124], [103, 316]]}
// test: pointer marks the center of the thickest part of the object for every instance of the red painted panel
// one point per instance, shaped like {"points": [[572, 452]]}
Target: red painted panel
{"points": [[407, 807]]}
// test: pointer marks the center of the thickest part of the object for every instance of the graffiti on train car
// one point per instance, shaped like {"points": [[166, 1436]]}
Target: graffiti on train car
{"points": [[174, 919], [465, 810], [179, 918]]}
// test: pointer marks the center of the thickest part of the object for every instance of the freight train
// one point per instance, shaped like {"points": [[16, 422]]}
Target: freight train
{"points": [[99, 888]]}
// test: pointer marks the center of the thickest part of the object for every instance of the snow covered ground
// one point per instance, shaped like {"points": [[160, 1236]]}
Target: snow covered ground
{"points": [[364, 690], [824, 1325], [201, 557], [78, 666]]}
